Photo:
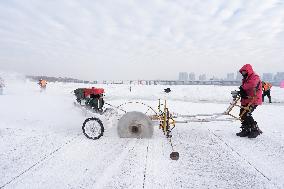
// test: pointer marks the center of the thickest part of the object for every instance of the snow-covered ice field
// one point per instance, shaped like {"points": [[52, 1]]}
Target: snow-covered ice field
{"points": [[42, 144]]}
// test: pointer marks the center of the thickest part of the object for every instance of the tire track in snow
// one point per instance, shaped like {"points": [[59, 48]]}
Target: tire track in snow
{"points": [[206, 162], [40, 161], [145, 169], [261, 173], [114, 167], [85, 161]]}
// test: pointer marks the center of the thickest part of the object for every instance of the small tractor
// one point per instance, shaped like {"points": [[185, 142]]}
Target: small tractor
{"points": [[91, 98], [135, 124]]}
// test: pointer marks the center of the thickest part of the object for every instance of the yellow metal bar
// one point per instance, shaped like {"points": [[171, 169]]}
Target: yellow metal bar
{"points": [[165, 117]]}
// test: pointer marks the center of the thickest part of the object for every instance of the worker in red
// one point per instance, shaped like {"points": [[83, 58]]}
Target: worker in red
{"points": [[251, 97]]}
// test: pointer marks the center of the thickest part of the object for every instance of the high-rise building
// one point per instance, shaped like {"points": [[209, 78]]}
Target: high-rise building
{"points": [[202, 77], [279, 76], [230, 77], [191, 76], [239, 76], [214, 78], [267, 77], [183, 76]]}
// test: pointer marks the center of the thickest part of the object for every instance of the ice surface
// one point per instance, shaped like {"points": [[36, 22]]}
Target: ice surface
{"points": [[42, 144]]}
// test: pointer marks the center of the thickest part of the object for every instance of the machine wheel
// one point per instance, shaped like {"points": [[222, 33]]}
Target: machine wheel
{"points": [[93, 128]]}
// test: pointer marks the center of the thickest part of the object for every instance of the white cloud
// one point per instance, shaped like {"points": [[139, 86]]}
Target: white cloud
{"points": [[136, 39]]}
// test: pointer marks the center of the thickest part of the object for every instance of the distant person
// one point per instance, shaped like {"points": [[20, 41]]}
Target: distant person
{"points": [[251, 94], [266, 90], [2, 85], [42, 83]]}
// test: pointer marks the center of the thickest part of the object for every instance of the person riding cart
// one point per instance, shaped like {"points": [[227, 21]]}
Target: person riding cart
{"points": [[251, 97], [96, 102], [92, 98]]}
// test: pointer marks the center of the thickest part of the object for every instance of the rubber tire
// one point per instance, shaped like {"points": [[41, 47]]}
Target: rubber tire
{"points": [[99, 122]]}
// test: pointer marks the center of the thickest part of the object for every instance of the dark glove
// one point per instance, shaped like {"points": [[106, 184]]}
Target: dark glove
{"points": [[235, 94], [243, 93], [167, 90]]}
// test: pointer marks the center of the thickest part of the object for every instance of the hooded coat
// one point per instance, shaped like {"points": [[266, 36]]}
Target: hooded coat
{"points": [[252, 86]]}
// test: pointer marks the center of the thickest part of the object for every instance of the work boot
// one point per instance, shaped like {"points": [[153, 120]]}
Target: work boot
{"points": [[244, 132], [255, 131]]}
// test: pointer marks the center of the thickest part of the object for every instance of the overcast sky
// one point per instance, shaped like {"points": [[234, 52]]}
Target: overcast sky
{"points": [[140, 39]]}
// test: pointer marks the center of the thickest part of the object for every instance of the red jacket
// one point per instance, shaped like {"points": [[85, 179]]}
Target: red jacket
{"points": [[252, 86]]}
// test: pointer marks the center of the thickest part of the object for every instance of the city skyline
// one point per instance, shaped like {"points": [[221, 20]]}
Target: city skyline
{"points": [[185, 76]]}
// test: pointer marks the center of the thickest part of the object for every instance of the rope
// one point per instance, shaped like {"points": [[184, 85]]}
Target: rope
{"points": [[130, 102], [171, 143], [145, 169], [116, 107]]}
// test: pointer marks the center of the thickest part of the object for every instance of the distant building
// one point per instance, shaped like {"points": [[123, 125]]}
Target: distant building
{"points": [[239, 76], [214, 78], [267, 77], [202, 77], [230, 77], [279, 77], [183, 76], [191, 76]]}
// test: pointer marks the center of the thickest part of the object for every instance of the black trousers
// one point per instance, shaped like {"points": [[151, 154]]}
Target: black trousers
{"points": [[247, 118], [266, 93]]}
